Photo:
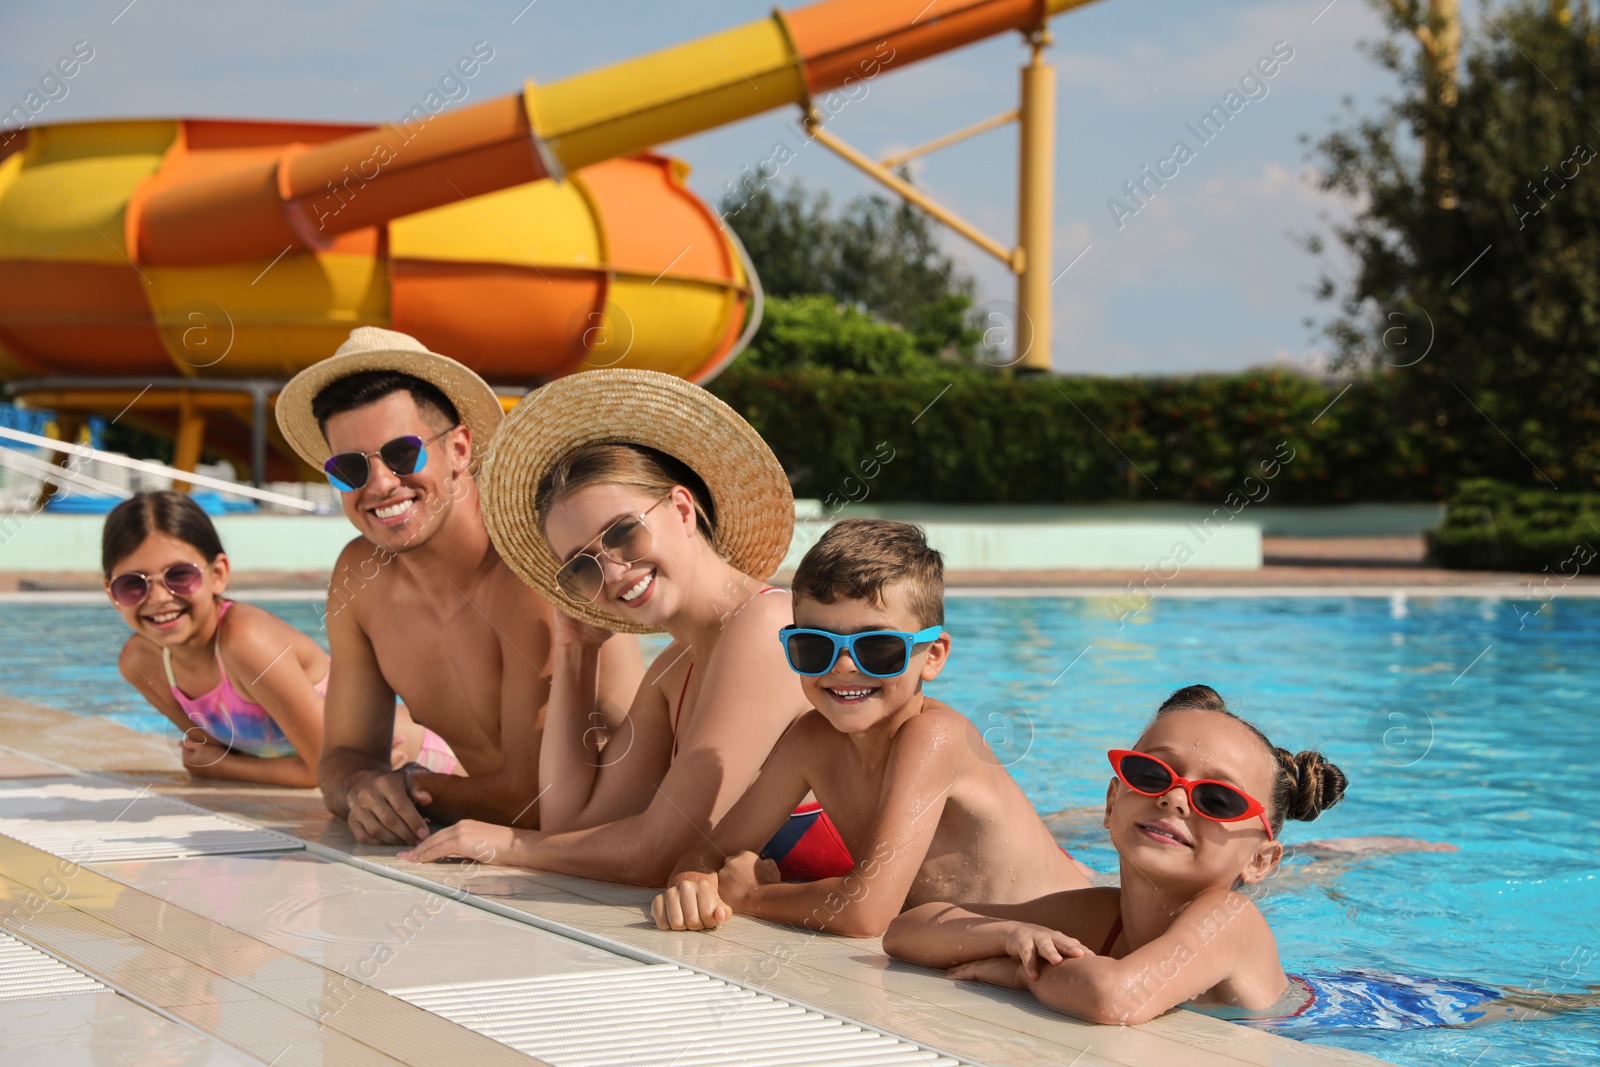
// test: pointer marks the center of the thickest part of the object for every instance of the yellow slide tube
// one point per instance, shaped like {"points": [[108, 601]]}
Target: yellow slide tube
{"points": [[553, 129]]}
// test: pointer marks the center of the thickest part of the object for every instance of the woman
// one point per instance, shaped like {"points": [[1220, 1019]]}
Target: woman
{"points": [[637, 502]]}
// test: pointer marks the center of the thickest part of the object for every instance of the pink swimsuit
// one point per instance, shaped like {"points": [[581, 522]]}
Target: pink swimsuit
{"points": [[245, 726], [241, 724]]}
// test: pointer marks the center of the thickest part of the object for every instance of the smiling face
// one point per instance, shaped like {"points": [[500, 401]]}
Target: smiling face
{"points": [[651, 589], [164, 618], [1164, 836], [393, 512], [854, 702]]}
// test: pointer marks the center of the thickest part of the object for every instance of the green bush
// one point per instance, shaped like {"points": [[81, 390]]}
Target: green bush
{"points": [[1494, 526], [949, 434]]}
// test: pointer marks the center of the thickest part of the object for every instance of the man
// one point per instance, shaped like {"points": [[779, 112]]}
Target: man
{"points": [[421, 605]]}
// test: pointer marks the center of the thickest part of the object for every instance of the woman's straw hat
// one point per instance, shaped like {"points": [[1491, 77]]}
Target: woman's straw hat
{"points": [[753, 503], [370, 348]]}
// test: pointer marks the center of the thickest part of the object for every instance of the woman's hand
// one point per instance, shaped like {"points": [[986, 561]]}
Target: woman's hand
{"points": [[997, 970], [742, 873], [570, 632], [468, 839], [1027, 944]]}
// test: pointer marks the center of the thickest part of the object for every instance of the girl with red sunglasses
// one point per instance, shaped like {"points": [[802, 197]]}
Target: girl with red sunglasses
{"points": [[1194, 811], [243, 686]]}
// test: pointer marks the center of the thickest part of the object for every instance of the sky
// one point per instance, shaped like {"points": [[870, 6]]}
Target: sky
{"points": [[1211, 274]]}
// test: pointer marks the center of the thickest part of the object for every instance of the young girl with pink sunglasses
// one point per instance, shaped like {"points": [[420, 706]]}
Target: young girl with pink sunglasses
{"points": [[245, 688]]}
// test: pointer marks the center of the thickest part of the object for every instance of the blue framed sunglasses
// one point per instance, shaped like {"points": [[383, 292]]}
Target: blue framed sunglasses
{"points": [[876, 653], [349, 471]]}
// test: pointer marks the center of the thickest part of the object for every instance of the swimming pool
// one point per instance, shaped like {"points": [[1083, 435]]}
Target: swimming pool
{"points": [[1457, 719]]}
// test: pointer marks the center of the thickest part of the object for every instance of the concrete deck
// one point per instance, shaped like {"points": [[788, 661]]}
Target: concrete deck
{"points": [[211, 989]]}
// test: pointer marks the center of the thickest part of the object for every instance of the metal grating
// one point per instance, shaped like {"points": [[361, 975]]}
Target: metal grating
{"points": [[28, 974], [661, 1015], [92, 821]]}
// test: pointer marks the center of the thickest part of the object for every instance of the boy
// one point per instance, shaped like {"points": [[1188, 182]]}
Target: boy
{"points": [[913, 788]]}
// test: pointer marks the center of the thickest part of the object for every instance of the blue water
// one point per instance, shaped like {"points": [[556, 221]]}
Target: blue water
{"points": [[1461, 720]]}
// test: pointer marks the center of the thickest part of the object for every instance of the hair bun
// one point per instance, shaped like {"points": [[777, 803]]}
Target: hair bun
{"points": [[1318, 784]]}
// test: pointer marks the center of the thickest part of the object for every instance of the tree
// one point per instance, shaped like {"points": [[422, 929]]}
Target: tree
{"points": [[1476, 297], [878, 256]]}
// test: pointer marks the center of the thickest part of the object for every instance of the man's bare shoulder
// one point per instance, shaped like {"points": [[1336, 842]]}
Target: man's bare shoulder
{"points": [[504, 596]]}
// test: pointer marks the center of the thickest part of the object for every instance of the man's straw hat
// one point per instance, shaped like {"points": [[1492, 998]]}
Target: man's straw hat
{"points": [[370, 348], [753, 503]]}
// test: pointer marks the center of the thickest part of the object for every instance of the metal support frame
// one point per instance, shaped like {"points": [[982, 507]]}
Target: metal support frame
{"points": [[191, 398], [1031, 259]]}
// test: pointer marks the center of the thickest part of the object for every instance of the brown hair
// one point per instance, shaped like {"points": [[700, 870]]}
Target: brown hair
{"points": [[631, 465], [1306, 784], [858, 559], [164, 511]]}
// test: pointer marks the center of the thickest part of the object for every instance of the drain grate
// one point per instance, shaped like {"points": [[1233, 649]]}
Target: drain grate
{"points": [[28, 974], [90, 822], [661, 1015]]}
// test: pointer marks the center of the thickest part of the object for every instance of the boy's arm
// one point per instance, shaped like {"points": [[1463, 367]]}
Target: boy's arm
{"points": [[923, 766], [760, 813], [692, 900], [1217, 936]]}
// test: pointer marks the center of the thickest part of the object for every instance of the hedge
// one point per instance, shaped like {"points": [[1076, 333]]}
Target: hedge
{"points": [[1494, 526], [978, 438]]}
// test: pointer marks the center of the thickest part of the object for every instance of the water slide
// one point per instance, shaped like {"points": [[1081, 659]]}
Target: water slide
{"points": [[528, 236]]}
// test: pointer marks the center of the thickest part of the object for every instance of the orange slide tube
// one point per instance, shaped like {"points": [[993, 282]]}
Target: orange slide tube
{"points": [[307, 196]]}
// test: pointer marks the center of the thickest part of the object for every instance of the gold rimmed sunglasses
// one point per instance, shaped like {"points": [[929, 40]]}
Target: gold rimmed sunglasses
{"points": [[625, 541]]}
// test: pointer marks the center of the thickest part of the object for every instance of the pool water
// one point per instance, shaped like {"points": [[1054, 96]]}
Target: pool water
{"points": [[1459, 720]]}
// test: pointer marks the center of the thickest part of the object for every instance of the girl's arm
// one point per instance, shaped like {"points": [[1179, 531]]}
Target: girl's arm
{"points": [[1220, 937], [948, 935], [140, 666], [261, 654], [581, 783]]}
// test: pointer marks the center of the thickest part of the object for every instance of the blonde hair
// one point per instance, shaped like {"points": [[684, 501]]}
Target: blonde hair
{"points": [[634, 466]]}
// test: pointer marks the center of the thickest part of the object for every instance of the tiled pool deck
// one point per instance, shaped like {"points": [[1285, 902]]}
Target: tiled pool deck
{"points": [[193, 989]]}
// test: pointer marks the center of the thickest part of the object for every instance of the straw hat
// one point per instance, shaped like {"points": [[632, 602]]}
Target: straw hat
{"points": [[753, 503], [370, 348]]}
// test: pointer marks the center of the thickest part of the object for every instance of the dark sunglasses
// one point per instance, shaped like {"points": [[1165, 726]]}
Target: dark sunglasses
{"points": [[181, 579], [1217, 801], [628, 540], [877, 653], [349, 471]]}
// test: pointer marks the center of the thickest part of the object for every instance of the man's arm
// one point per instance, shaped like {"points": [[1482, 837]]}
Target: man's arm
{"points": [[358, 732], [509, 794]]}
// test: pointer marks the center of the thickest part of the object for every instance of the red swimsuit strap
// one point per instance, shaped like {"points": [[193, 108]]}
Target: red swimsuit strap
{"points": [[1111, 938], [682, 693]]}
